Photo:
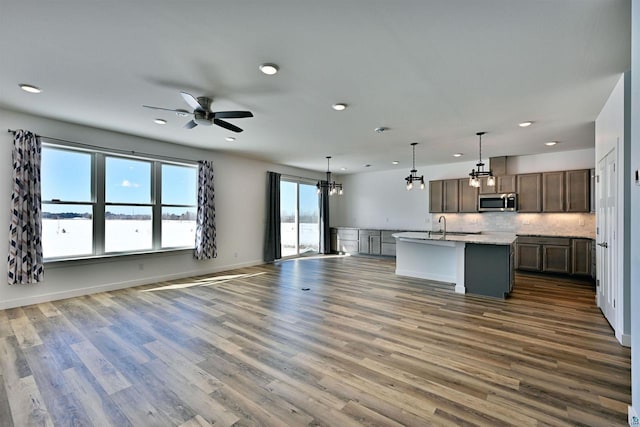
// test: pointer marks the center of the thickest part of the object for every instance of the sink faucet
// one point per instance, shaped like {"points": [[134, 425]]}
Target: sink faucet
{"points": [[444, 229]]}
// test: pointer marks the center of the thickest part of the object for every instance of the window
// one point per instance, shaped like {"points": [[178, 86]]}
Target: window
{"points": [[97, 203], [299, 218]]}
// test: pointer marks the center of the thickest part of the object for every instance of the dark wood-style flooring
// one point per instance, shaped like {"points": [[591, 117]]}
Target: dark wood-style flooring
{"points": [[361, 347]]}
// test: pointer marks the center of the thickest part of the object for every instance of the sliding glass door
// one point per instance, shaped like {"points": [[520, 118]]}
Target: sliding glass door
{"points": [[300, 218]]}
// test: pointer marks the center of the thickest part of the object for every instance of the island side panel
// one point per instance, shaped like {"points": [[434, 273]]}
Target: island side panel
{"points": [[442, 261], [488, 270]]}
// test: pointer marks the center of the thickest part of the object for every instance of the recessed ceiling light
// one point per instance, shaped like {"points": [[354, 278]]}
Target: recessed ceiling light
{"points": [[457, 155], [339, 107], [269, 69], [367, 165], [160, 121], [29, 88], [181, 113], [550, 143], [395, 162], [343, 169], [381, 129], [525, 124], [230, 139]]}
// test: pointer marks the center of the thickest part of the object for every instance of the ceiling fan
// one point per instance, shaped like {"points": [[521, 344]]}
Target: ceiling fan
{"points": [[202, 114]]}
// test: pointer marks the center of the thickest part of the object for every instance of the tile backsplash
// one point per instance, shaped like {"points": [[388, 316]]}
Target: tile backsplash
{"points": [[549, 224]]}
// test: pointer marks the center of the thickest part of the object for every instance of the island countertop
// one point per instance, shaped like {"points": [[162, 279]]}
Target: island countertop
{"points": [[487, 239]]}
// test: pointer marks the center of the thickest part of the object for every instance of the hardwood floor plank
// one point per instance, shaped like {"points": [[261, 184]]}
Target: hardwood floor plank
{"points": [[105, 373], [362, 347]]}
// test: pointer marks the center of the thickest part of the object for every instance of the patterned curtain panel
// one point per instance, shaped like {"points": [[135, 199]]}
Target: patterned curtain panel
{"points": [[25, 230], [206, 219]]}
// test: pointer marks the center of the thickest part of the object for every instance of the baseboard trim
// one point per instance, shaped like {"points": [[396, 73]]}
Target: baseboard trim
{"points": [[633, 418], [625, 340], [72, 293]]}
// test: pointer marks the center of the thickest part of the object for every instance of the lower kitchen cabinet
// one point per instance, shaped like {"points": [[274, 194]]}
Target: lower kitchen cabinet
{"points": [[560, 255], [346, 240], [369, 242], [388, 243], [528, 256], [581, 260]]}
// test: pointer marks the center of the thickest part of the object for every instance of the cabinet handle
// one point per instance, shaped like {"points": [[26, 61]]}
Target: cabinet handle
{"points": [[603, 244]]}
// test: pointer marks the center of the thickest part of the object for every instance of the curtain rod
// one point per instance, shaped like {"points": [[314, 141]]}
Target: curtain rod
{"points": [[299, 177], [113, 150]]}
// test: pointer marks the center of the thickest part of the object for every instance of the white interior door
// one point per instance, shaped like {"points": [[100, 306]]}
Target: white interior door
{"points": [[606, 249]]}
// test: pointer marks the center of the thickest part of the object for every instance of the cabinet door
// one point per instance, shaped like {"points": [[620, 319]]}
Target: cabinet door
{"points": [[334, 240], [435, 196], [529, 192], [468, 196], [388, 249], [556, 259], [581, 256], [528, 256], [485, 189], [450, 196], [506, 184], [363, 244], [578, 188], [553, 191], [374, 245]]}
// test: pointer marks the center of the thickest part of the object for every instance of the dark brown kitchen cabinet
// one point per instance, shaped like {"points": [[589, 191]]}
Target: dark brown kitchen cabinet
{"points": [[556, 258], [578, 190], [468, 196], [528, 257], [581, 256], [486, 189], [435, 196], [506, 184], [529, 192], [443, 196], [553, 192], [450, 195]]}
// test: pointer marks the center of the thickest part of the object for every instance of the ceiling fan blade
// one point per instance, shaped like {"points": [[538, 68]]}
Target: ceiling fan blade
{"points": [[227, 125], [231, 114], [190, 124], [189, 99], [165, 109]]}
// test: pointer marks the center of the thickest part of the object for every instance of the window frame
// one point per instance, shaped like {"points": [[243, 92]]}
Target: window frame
{"points": [[99, 204]]}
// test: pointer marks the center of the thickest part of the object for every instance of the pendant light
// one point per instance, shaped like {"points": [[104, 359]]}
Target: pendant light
{"points": [[475, 175], [413, 175], [332, 186]]}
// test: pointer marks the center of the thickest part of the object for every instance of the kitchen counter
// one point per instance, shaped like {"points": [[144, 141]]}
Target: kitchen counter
{"points": [[486, 239], [481, 264], [566, 236]]}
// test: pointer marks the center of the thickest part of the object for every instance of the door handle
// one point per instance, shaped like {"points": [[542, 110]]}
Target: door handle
{"points": [[603, 244]]}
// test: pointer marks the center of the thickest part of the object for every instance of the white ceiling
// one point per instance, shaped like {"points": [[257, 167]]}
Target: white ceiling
{"points": [[435, 72]]}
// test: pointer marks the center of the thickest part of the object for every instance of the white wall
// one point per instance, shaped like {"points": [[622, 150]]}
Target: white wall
{"points": [[240, 185], [635, 207], [379, 199]]}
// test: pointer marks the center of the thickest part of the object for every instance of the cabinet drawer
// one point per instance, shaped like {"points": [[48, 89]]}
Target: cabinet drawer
{"points": [[348, 233], [348, 246], [364, 233], [387, 236], [556, 241], [388, 249]]}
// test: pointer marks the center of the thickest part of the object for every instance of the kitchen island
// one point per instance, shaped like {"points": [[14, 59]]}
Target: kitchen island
{"points": [[479, 264]]}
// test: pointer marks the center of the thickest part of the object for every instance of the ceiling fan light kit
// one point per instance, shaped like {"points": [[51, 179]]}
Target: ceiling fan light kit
{"points": [[413, 174], [202, 114], [475, 175]]}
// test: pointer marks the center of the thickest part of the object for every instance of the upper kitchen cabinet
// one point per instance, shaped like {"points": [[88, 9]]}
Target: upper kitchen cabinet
{"points": [[506, 184], [443, 196], [578, 190], [566, 191], [553, 197], [468, 201], [435, 196], [529, 192]]}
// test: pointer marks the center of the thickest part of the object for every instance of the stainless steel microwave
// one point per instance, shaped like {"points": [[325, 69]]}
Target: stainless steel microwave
{"points": [[507, 202]]}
